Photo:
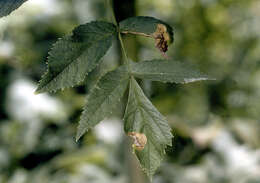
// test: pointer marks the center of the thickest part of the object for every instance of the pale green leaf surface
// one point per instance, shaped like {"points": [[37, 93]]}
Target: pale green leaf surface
{"points": [[7, 6], [143, 25], [73, 57], [167, 71], [103, 99], [142, 117]]}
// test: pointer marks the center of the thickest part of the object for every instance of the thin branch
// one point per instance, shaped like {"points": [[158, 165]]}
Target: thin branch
{"points": [[126, 60], [109, 4]]}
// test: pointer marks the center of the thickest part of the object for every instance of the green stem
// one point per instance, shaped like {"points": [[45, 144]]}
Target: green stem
{"points": [[126, 60], [109, 2], [123, 48]]}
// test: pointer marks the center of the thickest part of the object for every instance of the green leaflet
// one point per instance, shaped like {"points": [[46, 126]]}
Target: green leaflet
{"points": [[167, 71], [103, 99], [73, 57], [142, 117], [150, 27], [94, 76], [7, 6], [77, 55]]}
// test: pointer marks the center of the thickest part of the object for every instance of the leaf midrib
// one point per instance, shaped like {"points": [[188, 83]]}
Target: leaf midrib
{"points": [[140, 106], [150, 73], [102, 103], [142, 109]]}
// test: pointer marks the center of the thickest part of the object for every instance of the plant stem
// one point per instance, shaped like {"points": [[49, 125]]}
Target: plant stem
{"points": [[109, 2], [126, 60], [123, 49]]}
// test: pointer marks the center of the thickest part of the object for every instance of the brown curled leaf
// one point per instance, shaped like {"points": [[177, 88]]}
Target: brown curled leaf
{"points": [[161, 37], [149, 27], [139, 140]]}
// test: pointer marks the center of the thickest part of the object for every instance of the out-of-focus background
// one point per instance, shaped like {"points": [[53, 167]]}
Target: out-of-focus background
{"points": [[216, 124]]}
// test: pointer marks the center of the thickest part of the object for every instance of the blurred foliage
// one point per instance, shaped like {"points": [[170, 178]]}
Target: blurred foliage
{"points": [[216, 125]]}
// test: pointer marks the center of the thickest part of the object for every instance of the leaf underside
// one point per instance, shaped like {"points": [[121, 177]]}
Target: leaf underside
{"points": [[167, 71], [103, 99], [7, 6], [142, 117], [73, 57]]}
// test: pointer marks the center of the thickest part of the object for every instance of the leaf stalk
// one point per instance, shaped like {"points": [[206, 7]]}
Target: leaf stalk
{"points": [[126, 60]]}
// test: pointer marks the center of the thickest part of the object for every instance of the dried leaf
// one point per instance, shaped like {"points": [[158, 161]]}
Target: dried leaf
{"points": [[149, 27]]}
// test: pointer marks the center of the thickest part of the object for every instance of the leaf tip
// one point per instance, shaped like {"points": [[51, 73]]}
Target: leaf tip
{"points": [[212, 79], [202, 78], [37, 91], [78, 135], [80, 132], [77, 138]]}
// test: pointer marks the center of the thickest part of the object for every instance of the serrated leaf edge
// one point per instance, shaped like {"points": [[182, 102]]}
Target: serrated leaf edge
{"points": [[38, 91], [78, 136], [149, 141]]}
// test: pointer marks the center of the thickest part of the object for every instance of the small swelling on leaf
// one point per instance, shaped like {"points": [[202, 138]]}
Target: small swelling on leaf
{"points": [[154, 133], [139, 140], [75, 56], [149, 27]]}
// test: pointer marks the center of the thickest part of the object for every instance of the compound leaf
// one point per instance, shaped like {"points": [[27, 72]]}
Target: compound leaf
{"points": [[149, 27], [167, 71], [143, 119], [103, 99], [7, 6], [73, 57]]}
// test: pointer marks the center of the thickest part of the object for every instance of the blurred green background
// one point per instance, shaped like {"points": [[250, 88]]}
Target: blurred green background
{"points": [[216, 124]]}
